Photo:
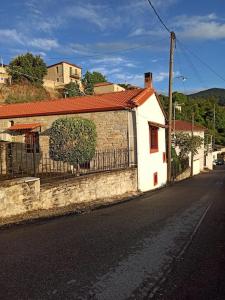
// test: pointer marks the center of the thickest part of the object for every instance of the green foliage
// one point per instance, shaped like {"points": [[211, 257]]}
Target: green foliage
{"points": [[188, 144], [215, 94], [72, 140], [90, 79], [28, 68], [72, 89], [203, 113]]}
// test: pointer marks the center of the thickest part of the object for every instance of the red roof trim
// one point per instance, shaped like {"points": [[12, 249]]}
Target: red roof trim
{"points": [[69, 112], [24, 126], [94, 103], [181, 125]]}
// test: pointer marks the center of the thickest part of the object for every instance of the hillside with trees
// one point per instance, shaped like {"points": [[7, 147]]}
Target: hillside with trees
{"points": [[215, 94], [203, 110]]}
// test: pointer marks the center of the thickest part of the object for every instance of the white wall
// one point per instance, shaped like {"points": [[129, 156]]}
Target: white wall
{"points": [[199, 156], [149, 163]]}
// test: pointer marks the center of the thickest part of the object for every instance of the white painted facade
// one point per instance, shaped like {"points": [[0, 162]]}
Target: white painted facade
{"points": [[201, 160], [150, 163]]}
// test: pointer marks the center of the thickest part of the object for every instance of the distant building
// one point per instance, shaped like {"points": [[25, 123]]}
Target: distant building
{"points": [[107, 87], [5, 78], [203, 159], [61, 74]]}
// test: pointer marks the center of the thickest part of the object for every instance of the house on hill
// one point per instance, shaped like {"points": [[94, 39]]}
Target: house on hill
{"points": [[132, 119], [203, 159], [107, 87], [62, 73]]}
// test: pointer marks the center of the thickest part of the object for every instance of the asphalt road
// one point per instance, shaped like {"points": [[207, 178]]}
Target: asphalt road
{"points": [[200, 272], [120, 252]]}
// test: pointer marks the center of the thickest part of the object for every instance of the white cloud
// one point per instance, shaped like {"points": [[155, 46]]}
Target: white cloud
{"points": [[11, 35], [45, 44], [95, 14], [208, 27], [161, 76]]}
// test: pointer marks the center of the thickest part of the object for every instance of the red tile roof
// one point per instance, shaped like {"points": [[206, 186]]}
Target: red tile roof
{"points": [[181, 125], [24, 126], [104, 102]]}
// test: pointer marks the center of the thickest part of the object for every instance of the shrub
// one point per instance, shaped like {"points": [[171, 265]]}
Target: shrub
{"points": [[72, 140]]}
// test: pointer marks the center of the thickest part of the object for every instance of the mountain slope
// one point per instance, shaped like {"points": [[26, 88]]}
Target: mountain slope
{"points": [[214, 93]]}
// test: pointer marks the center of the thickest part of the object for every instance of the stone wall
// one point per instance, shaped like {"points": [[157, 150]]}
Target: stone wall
{"points": [[19, 196], [23, 196], [111, 127]]}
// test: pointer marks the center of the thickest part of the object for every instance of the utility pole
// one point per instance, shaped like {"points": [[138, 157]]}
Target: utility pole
{"points": [[214, 126], [169, 144], [192, 136]]}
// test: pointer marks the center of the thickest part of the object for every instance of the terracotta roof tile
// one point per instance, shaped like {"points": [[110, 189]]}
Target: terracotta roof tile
{"points": [[104, 102], [24, 126], [181, 125]]}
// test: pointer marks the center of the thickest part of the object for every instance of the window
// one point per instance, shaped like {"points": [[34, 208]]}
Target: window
{"points": [[75, 71], [164, 157], [57, 69], [155, 178], [153, 138], [32, 142], [57, 79], [71, 71]]}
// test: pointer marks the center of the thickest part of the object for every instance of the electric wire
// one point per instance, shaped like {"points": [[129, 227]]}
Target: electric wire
{"points": [[158, 16]]}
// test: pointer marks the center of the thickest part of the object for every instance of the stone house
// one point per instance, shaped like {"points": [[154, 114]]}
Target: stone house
{"points": [[61, 74], [132, 119], [203, 159], [107, 87], [5, 78]]}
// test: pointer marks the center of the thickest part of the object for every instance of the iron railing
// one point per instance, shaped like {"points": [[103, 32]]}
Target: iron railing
{"points": [[17, 160]]}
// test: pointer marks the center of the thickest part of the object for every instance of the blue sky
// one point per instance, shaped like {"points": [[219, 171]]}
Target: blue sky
{"points": [[120, 38]]}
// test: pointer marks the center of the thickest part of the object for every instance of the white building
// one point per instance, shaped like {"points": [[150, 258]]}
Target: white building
{"points": [[132, 119], [203, 159]]}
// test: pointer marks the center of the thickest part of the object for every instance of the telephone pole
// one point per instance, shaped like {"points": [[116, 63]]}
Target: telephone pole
{"points": [[214, 126], [169, 144], [192, 136]]}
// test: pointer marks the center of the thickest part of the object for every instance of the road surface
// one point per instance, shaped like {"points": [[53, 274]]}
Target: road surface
{"points": [[119, 252]]}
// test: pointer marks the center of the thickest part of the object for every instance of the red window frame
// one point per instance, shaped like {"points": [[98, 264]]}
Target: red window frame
{"points": [[153, 138], [164, 157], [155, 178]]}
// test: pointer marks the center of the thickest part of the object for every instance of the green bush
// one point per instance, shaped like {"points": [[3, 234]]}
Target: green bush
{"points": [[72, 140]]}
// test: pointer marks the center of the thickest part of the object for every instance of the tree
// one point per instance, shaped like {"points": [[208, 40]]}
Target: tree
{"points": [[72, 89], [90, 79], [72, 140], [187, 144], [28, 68]]}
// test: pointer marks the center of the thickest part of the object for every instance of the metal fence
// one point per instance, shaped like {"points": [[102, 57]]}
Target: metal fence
{"points": [[178, 167], [18, 160]]}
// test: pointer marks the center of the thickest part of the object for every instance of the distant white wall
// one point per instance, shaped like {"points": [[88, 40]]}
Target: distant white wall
{"points": [[149, 163]]}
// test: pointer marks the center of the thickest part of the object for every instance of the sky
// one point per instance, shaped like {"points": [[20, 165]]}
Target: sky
{"points": [[122, 39]]}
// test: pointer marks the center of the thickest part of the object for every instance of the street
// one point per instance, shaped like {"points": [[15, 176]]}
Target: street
{"points": [[124, 251]]}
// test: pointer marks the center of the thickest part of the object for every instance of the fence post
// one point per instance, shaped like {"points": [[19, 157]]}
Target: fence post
{"points": [[34, 155]]}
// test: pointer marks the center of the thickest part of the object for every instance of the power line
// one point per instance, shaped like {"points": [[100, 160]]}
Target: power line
{"points": [[158, 16], [201, 61]]}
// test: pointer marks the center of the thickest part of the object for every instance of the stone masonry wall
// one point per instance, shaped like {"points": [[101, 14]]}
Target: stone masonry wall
{"points": [[25, 195], [111, 127], [19, 196]]}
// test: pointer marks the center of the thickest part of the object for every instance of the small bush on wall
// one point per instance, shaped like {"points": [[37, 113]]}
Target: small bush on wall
{"points": [[72, 140]]}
